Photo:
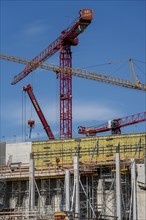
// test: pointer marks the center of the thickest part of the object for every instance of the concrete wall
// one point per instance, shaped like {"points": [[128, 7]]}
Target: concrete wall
{"points": [[18, 152], [141, 192], [2, 153], [141, 203]]}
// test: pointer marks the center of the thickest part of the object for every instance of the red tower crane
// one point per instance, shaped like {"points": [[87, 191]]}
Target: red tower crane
{"points": [[114, 125], [63, 43], [47, 128]]}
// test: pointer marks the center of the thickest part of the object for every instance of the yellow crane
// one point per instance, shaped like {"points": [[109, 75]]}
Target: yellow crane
{"points": [[82, 73]]}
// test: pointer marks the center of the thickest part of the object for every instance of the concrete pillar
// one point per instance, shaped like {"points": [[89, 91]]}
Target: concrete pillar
{"points": [[57, 197], [42, 201], [67, 190], [118, 185], [77, 186], [141, 192], [145, 166], [13, 202], [133, 189], [26, 206], [100, 195], [31, 184]]}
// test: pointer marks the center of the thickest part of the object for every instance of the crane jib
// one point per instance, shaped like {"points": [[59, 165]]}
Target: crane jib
{"points": [[40, 114], [77, 72], [67, 36], [113, 125]]}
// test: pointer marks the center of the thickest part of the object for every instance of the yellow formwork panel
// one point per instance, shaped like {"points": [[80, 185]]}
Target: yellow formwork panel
{"points": [[99, 150]]}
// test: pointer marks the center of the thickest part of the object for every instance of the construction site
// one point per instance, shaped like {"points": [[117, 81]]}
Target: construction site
{"points": [[96, 176]]}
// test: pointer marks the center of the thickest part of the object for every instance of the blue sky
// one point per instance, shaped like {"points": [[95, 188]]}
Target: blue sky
{"points": [[116, 33]]}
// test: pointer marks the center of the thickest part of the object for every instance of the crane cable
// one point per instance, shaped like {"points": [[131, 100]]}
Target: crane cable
{"points": [[31, 107], [140, 61], [132, 72], [22, 117], [104, 64], [120, 67], [138, 67], [109, 63]]}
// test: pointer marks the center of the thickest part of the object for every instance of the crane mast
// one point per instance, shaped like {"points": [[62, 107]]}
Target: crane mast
{"points": [[47, 128], [114, 125], [63, 43], [65, 93]]}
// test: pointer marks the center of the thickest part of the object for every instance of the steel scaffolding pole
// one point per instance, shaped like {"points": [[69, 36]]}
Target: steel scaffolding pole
{"points": [[118, 184], [145, 166], [133, 189]]}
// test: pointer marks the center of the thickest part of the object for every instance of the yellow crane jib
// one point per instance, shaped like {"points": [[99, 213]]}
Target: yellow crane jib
{"points": [[81, 73]]}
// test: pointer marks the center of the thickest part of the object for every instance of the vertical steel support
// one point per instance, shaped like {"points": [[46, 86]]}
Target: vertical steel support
{"points": [[65, 94], [31, 184], [87, 191], [67, 190], [93, 195], [133, 189], [77, 186], [118, 184], [145, 165]]}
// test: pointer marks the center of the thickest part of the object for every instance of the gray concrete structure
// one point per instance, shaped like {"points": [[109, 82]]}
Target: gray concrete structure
{"points": [[2, 153], [141, 192], [18, 152]]}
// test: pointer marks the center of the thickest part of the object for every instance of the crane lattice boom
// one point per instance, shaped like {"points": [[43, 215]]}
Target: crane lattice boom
{"points": [[113, 125], [81, 73], [67, 37], [47, 128]]}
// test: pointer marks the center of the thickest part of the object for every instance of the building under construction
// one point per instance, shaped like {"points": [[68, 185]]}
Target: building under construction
{"points": [[77, 178]]}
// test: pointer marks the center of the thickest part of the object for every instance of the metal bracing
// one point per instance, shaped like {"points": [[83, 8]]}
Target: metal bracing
{"points": [[49, 195], [14, 195], [88, 199], [106, 193], [2, 194], [17, 195], [108, 198], [88, 196], [126, 194]]}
